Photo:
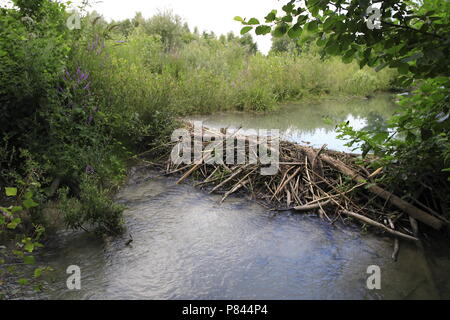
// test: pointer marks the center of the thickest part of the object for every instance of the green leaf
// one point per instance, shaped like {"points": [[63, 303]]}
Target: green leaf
{"points": [[321, 41], [271, 16], [29, 247], [37, 272], [29, 203], [23, 281], [280, 30], [18, 253], [403, 68], [288, 8], [16, 209], [287, 18], [30, 260], [380, 137], [263, 30], [348, 56], [237, 18], [312, 25], [253, 21], [302, 19], [332, 48], [295, 32], [328, 24], [13, 224], [11, 192], [381, 66], [246, 30]]}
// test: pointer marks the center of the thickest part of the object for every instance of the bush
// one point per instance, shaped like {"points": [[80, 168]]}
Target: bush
{"points": [[414, 148], [93, 208]]}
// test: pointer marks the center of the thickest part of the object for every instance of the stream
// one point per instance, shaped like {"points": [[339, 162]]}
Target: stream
{"points": [[188, 246]]}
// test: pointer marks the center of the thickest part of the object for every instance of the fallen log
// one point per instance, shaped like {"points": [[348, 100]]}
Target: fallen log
{"points": [[411, 210], [378, 225]]}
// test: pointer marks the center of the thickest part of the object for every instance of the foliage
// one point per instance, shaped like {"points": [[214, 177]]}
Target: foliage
{"points": [[51, 98], [413, 37], [415, 144], [26, 241], [94, 207], [203, 73]]}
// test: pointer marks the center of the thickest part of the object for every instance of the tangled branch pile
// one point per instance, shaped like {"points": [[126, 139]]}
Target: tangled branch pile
{"points": [[332, 184]]}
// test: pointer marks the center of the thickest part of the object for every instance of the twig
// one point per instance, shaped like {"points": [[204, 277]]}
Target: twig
{"points": [[379, 225]]}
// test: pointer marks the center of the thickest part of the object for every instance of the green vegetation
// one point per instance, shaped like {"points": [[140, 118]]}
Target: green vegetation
{"points": [[414, 146], [188, 73], [77, 105]]}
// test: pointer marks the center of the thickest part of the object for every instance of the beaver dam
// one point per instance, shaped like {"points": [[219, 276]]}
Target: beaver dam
{"points": [[334, 185]]}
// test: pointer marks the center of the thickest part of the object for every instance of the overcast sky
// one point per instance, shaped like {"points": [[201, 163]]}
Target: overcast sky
{"points": [[207, 15]]}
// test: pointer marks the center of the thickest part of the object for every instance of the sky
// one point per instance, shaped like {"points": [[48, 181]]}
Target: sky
{"points": [[207, 15]]}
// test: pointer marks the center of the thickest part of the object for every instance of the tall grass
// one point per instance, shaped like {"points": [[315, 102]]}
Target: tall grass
{"points": [[206, 75]]}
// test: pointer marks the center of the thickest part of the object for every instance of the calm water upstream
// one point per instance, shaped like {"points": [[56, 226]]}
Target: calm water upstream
{"points": [[188, 246], [312, 122]]}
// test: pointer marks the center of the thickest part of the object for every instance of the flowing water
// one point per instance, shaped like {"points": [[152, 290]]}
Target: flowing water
{"points": [[188, 246]]}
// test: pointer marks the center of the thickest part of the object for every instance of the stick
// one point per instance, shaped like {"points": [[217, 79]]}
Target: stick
{"points": [[396, 242], [379, 225], [414, 212], [234, 189], [311, 207], [283, 184], [229, 178]]}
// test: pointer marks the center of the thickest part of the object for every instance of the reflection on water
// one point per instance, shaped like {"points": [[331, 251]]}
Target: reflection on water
{"points": [[188, 246], [312, 122]]}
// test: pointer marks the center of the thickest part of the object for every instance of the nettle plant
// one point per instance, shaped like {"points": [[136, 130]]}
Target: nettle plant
{"points": [[24, 242]]}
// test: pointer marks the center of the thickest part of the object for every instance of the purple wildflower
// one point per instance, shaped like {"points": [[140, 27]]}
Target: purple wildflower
{"points": [[89, 169]]}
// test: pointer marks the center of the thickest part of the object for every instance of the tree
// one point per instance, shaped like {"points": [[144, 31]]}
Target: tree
{"points": [[169, 27], [247, 41], [414, 37]]}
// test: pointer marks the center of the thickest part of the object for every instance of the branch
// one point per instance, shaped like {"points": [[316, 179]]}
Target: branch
{"points": [[412, 29]]}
